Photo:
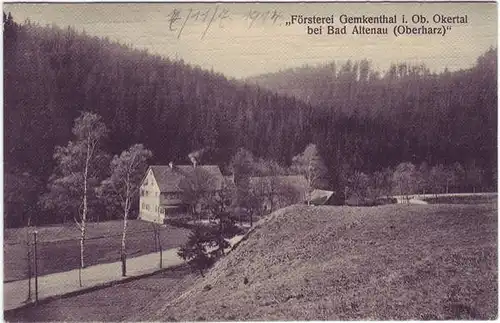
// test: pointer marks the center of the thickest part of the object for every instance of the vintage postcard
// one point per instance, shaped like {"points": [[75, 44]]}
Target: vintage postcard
{"points": [[217, 161]]}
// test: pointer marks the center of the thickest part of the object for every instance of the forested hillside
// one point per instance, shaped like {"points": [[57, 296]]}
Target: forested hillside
{"points": [[412, 113], [359, 119], [51, 74]]}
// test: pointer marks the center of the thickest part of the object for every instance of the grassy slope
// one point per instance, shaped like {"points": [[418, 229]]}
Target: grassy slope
{"points": [[332, 263], [59, 248]]}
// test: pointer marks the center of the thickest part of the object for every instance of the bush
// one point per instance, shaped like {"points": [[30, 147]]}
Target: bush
{"points": [[206, 243], [195, 250], [386, 200]]}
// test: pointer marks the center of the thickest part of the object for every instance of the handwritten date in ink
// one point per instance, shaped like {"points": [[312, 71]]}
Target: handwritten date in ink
{"points": [[270, 16], [178, 19]]}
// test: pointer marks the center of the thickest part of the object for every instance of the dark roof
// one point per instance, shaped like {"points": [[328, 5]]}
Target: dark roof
{"points": [[320, 197], [169, 179], [297, 181]]}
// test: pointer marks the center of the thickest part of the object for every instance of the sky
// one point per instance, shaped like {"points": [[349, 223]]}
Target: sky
{"points": [[246, 39]]}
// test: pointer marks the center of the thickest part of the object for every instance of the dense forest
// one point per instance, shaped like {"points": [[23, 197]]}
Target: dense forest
{"points": [[360, 119], [439, 118]]}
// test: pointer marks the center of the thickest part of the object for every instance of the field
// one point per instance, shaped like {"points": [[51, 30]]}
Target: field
{"points": [[59, 248], [393, 262]]}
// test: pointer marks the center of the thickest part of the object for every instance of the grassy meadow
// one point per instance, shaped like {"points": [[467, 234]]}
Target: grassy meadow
{"points": [[59, 246]]}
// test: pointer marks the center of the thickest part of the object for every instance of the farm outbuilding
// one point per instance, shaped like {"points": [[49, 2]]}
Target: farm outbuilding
{"points": [[322, 197]]}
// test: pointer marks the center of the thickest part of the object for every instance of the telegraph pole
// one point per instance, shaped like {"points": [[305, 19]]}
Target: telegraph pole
{"points": [[36, 268]]}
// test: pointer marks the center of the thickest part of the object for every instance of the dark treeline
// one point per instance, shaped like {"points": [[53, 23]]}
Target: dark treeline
{"points": [[359, 120]]}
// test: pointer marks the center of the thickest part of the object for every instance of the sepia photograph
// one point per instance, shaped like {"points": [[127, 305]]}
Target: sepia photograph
{"points": [[250, 161]]}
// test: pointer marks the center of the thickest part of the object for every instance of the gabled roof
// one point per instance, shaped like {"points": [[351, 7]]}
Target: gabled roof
{"points": [[320, 197], [169, 178], [297, 181]]}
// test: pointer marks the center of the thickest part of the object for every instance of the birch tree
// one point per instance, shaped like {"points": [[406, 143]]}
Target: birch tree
{"points": [[122, 187], [78, 169]]}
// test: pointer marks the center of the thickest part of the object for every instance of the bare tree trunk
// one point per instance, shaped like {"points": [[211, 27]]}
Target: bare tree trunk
{"points": [[83, 220], [83, 224], [123, 250], [154, 236], [28, 245], [159, 245], [82, 248], [83, 228]]}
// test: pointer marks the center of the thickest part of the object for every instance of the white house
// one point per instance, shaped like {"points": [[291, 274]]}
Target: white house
{"points": [[161, 193]]}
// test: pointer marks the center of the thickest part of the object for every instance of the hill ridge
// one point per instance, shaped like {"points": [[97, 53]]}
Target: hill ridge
{"points": [[336, 263]]}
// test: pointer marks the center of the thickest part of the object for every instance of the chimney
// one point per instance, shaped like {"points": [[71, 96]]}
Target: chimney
{"points": [[171, 165]]}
